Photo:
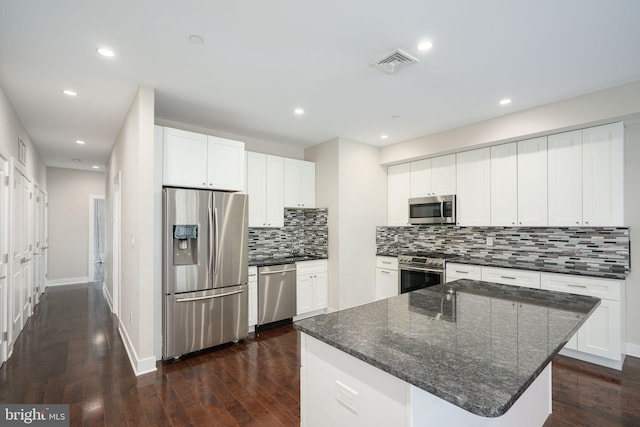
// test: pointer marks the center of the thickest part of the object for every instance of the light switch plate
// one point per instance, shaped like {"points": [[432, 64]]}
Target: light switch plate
{"points": [[489, 241]]}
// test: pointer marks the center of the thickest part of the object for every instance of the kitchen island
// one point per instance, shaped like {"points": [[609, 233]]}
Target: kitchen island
{"points": [[461, 353]]}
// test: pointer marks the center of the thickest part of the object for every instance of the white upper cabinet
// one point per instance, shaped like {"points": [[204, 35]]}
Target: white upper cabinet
{"points": [[565, 179], [603, 175], [420, 182], [184, 158], [473, 172], [504, 184], [443, 175], [199, 161], [433, 177], [398, 194], [299, 184], [265, 186], [225, 164], [532, 182]]}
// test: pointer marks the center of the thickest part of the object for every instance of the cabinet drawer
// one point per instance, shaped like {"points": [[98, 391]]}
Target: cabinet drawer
{"points": [[463, 271], [310, 267], [387, 262], [599, 288], [510, 276]]}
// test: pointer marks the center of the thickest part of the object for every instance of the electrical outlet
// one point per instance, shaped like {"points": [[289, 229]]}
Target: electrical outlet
{"points": [[347, 396], [489, 241]]}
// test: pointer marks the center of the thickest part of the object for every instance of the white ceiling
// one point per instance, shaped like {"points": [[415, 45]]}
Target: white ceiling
{"points": [[261, 59]]}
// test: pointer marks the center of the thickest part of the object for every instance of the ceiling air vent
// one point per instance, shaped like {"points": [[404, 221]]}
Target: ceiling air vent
{"points": [[395, 61]]}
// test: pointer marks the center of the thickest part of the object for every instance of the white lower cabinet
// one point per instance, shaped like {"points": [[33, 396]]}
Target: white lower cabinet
{"points": [[462, 271], [601, 334], [253, 296], [311, 286], [386, 277], [511, 276]]}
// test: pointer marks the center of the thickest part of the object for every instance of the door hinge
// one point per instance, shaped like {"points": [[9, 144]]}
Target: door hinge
{"points": [[5, 336], [29, 300]]}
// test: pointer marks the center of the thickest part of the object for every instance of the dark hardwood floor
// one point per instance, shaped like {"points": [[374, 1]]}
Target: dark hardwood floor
{"points": [[70, 352]]}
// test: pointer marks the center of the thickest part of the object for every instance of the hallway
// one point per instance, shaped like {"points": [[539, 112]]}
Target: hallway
{"points": [[70, 352]]}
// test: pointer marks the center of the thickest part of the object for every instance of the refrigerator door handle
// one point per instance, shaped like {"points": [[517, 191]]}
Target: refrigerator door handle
{"points": [[209, 296], [216, 243], [210, 242]]}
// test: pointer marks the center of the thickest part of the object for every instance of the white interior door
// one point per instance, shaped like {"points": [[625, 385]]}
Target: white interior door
{"points": [[42, 241], [17, 278], [4, 257], [115, 246], [37, 251], [27, 260]]}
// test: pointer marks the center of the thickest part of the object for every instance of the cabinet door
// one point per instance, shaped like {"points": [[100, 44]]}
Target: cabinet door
{"points": [[184, 159], [420, 181], [319, 291], [225, 164], [386, 283], [603, 175], [253, 301], [304, 294], [532, 182], [600, 334], [565, 179], [473, 173], [292, 183], [443, 175], [257, 189], [504, 184], [307, 184], [275, 191], [398, 193]]}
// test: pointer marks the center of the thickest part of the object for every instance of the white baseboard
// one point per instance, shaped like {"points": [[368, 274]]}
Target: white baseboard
{"points": [[107, 296], [68, 281], [633, 349], [139, 366], [591, 358]]}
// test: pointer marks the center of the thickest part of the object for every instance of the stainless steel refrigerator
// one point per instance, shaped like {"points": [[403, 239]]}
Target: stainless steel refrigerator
{"points": [[204, 269]]}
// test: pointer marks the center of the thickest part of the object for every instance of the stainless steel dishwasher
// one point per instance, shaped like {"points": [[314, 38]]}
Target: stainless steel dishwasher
{"points": [[276, 293]]}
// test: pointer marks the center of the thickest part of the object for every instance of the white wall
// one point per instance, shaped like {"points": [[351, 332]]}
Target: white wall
{"points": [[600, 107], [632, 219], [133, 155], [10, 129], [69, 222], [351, 183], [325, 156]]}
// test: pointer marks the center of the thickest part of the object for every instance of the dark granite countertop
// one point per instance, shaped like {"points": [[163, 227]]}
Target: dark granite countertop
{"points": [[477, 345], [546, 266], [283, 260]]}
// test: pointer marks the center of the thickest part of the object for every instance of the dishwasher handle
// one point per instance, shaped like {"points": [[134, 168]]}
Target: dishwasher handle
{"points": [[263, 273]]}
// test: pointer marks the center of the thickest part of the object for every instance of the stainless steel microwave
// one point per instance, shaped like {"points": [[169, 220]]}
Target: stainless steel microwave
{"points": [[433, 210]]}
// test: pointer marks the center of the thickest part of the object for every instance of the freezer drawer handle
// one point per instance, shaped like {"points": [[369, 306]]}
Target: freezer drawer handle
{"points": [[576, 286], [277, 272], [208, 297]]}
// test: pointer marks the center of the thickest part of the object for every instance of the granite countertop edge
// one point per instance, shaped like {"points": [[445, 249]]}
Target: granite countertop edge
{"points": [[284, 260], [531, 266]]}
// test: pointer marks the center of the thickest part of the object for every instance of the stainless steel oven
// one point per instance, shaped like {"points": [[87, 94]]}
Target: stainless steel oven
{"points": [[420, 271]]}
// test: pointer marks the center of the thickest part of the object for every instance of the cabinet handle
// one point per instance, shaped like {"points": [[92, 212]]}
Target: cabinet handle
{"points": [[576, 286], [520, 223], [586, 222], [386, 262], [508, 277], [513, 223], [577, 222], [385, 272], [462, 272], [204, 183]]}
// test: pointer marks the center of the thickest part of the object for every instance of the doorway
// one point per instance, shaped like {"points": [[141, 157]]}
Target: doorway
{"points": [[115, 244], [4, 257], [96, 239]]}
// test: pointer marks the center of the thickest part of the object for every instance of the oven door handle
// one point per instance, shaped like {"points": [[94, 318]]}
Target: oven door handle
{"points": [[442, 211], [420, 269]]}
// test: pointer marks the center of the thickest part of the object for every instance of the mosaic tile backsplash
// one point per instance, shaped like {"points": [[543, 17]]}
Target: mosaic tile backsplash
{"points": [[585, 248], [305, 232]]}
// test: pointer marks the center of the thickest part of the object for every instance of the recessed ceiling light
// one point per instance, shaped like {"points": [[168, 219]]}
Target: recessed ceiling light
{"points": [[95, 167], [104, 51], [80, 142], [384, 136], [505, 101], [425, 45], [298, 111], [395, 117], [196, 39], [69, 92]]}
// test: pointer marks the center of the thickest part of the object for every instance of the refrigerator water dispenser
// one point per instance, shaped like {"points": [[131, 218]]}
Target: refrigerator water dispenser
{"points": [[185, 244]]}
